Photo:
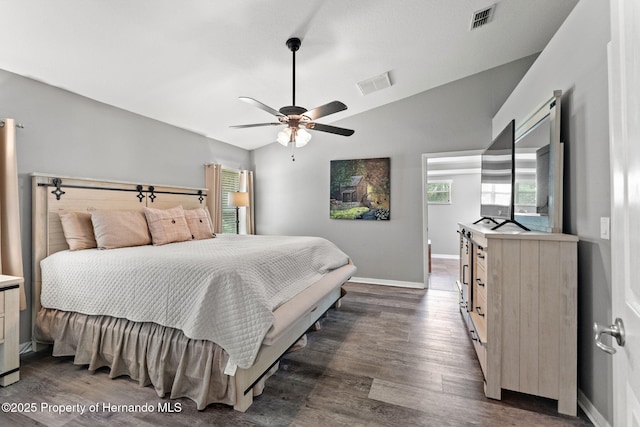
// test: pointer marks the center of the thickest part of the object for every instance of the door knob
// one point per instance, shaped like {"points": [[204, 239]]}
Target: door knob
{"points": [[616, 330]]}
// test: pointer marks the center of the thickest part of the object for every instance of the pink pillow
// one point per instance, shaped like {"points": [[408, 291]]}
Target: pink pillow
{"points": [[119, 229], [167, 225], [199, 223], [78, 230]]}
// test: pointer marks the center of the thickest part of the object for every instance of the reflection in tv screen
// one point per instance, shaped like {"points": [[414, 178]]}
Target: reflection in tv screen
{"points": [[497, 176], [532, 171]]}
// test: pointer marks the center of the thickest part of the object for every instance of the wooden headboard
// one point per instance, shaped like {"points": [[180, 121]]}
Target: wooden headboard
{"points": [[51, 194]]}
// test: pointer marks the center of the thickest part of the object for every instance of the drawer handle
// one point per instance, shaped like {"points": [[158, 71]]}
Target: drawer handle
{"points": [[474, 337], [314, 309], [479, 282], [479, 311], [480, 256]]}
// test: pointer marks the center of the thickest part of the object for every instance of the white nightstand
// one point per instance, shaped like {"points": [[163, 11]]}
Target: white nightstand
{"points": [[9, 329]]}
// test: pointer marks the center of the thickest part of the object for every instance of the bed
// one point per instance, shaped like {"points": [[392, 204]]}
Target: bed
{"points": [[169, 315]]}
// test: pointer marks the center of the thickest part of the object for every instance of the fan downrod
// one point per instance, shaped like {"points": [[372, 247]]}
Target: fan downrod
{"points": [[294, 44]]}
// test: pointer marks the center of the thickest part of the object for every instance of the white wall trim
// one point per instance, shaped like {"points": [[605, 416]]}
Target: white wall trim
{"points": [[591, 411], [385, 282], [446, 172]]}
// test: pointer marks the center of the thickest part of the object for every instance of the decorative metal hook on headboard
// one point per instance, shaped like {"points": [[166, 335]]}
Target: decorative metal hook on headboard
{"points": [[18, 125], [139, 189], [57, 192]]}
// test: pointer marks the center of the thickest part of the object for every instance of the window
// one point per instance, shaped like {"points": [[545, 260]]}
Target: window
{"points": [[496, 194], [525, 193], [439, 192], [230, 182]]}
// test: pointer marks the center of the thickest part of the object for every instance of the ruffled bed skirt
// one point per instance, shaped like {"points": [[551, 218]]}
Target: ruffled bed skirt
{"points": [[148, 353]]}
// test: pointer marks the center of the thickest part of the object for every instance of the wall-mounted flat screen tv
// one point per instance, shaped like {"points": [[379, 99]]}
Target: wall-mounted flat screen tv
{"points": [[497, 176]]}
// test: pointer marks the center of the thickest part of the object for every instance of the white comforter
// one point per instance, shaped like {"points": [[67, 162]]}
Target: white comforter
{"points": [[223, 289]]}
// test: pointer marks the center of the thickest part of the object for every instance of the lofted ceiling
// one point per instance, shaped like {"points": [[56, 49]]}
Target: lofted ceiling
{"points": [[187, 62]]}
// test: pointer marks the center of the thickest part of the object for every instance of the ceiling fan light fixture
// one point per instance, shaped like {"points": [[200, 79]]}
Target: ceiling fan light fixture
{"points": [[302, 137], [284, 136], [298, 136]]}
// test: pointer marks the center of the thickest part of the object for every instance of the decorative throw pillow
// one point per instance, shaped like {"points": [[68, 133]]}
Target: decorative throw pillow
{"points": [[78, 230], [199, 223], [167, 225], [120, 229]]}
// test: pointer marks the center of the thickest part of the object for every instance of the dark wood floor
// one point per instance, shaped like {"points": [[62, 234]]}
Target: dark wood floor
{"points": [[444, 273], [388, 357]]}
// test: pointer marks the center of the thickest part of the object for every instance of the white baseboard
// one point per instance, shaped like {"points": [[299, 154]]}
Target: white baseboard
{"points": [[445, 256], [385, 282], [25, 347], [591, 411]]}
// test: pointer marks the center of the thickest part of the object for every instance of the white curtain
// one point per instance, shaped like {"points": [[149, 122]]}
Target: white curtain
{"points": [[246, 184], [213, 183], [10, 239]]}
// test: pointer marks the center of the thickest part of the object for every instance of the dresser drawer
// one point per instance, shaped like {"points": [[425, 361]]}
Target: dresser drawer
{"points": [[479, 239], [481, 257], [481, 352], [9, 329], [479, 315], [480, 282]]}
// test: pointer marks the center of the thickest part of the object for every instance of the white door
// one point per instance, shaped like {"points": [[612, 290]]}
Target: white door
{"points": [[624, 120]]}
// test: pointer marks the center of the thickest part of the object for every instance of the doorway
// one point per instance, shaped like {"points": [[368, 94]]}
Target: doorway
{"points": [[451, 194]]}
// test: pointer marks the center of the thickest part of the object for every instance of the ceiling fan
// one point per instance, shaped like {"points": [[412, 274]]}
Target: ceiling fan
{"points": [[295, 118]]}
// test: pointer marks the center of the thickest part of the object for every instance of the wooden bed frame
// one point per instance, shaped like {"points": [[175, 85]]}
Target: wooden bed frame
{"points": [[52, 194]]}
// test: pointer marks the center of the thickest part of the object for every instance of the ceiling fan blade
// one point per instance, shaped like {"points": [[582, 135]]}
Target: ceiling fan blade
{"points": [[325, 110], [261, 106], [330, 129], [255, 125]]}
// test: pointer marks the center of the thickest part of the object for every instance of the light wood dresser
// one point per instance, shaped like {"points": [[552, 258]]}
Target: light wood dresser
{"points": [[9, 329], [518, 297]]}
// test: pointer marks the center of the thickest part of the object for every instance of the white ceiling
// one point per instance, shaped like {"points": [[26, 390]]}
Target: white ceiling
{"points": [[186, 62]]}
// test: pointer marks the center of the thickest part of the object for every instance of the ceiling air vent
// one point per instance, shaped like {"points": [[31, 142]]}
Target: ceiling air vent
{"points": [[374, 84], [482, 17]]}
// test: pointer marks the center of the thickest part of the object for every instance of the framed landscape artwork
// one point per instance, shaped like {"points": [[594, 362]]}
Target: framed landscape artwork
{"points": [[360, 189]]}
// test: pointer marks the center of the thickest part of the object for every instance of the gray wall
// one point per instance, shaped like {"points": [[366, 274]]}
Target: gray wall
{"points": [[292, 197], [464, 207], [575, 61], [70, 135]]}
